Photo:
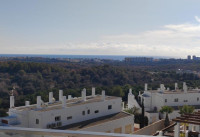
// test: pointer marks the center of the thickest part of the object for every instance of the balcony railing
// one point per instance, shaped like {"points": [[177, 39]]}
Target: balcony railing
{"points": [[33, 132]]}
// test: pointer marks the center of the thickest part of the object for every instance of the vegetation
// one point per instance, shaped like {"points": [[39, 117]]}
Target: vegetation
{"points": [[137, 115], [186, 109], [31, 79], [167, 110], [134, 110]]}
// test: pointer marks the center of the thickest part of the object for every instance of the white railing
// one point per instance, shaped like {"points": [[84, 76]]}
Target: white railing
{"points": [[33, 132]]}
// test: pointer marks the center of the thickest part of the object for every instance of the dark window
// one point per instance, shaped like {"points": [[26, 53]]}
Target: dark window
{"points": [[70, 117], [88, 111], [83, 112], [185, 101], [176, 100], [197, 99], [96, 111], [110, 107], [37, 121], [4, 121], [165, 100], [58, 118]]}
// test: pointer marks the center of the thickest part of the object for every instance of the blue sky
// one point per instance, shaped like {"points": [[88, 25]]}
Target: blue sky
{"points": [[103, 27]]}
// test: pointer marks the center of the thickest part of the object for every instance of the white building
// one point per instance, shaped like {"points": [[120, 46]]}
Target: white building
{"points": [[55, 114], [155, 99]]}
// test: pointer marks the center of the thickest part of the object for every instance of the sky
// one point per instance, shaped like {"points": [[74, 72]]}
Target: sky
{"points": [[100, 27]]}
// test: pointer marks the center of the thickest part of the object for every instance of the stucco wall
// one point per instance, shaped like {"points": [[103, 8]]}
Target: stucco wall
{"points": [[151, 129]]}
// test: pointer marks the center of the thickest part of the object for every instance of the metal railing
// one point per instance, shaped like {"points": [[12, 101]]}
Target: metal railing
{"points": [[33, 132]]}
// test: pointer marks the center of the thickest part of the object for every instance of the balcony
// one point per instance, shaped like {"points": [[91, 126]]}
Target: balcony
{"points": [[33, 132]]}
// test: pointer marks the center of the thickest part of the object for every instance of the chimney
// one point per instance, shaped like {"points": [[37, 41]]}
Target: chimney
{"points": [[185, 88], [69, 97], [122, 105], [145, 87], [12, 101], [103, 95], [64, 102], [162, 87], [50, 97], [83, 94], [176, 86], [93, 91], [27, 103], [60, 95], [130, 91], [39, 101]]}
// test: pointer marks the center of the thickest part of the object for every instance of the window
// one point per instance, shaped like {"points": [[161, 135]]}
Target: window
{"points": [[88, 111], [185, 101], [4, 121], [197, 99], [176, 100], [70, 117], [110, 107], [59, 124], [83, 112], [96, 111], [37, 121], [165, 100], [58, 118]]}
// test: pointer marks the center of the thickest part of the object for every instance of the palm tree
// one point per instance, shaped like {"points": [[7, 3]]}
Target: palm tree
{"points": [[186, 109], [167, 110]]}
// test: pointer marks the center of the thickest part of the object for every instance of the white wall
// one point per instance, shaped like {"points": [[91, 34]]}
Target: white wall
{"points": [[152, 117], [158, 100], [132, 102], [190, 97], [28, 118]]}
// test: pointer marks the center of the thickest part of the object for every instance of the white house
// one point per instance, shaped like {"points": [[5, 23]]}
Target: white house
{"points": [[55, 114], [155, 99]]}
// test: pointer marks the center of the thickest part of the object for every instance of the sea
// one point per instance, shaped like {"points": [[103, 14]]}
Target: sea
{"points": [[111, 57]]}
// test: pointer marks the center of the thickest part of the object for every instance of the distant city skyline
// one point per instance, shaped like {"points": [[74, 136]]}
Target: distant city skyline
{"points": [[91, 27]]}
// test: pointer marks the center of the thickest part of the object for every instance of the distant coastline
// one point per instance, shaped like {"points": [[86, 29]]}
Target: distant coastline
{"points": [[111, 57]]}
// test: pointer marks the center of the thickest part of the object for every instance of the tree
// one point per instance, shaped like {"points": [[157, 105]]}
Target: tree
{"points": [[134, 110], [139, 118], [186, 109], [117, 91], [167, 110]]}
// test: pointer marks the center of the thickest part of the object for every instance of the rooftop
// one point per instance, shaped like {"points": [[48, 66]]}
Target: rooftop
{"points": [[70, 103], [178, 91], [96, 121]]}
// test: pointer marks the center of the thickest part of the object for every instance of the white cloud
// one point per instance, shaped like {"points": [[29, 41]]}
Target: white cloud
{"points": [[197, 19], [170, 40]]}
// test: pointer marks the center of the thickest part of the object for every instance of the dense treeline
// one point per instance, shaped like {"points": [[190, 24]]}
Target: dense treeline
{"points": [[31, 79]]}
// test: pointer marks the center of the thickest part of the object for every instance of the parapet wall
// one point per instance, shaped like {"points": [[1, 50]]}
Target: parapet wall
{"points": [[151, 129]]}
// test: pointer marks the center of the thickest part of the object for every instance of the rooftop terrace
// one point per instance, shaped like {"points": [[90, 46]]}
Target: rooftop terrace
{"points": [[96, 121], [33, 132], [69, 103]]}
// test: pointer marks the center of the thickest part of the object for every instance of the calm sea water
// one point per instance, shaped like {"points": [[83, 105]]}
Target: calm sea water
{"points": [[113, 57]]}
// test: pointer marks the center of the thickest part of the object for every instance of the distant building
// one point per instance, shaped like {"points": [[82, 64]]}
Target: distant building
{"points": [[189, 57], [155, 99], [138, 59], [98, 113], [194, 57]]}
